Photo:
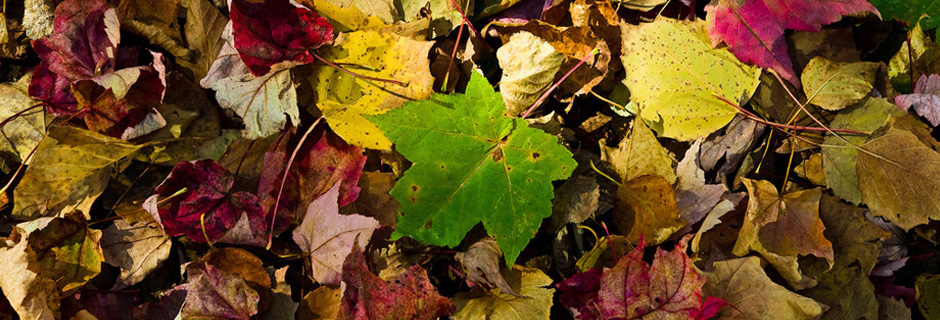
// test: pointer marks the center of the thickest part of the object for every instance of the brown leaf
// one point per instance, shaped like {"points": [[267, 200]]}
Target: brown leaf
{"points": [[646, 206]]}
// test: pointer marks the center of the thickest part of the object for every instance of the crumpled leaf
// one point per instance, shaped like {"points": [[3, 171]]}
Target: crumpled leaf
{"points": [[23, 133], [137, 249], [576, 200], [123, 103], [445, 17], [899, 177], [533, 302], [925, 99], [743, 284], [203, 30], [154, 20], [410, 296], [525, 80], [676, 78], [839, 161], [265, 103], [30, 292], [574, 43], [835, 85], [68, 172], [38, 16], [316, 169], [276, 31], [641, 154], [212, 293], [202, 207], [346, 101], [726, 150], [328, 236], [488, 162], [646, 207], [770, 223], [481, 263], [753, 30]]}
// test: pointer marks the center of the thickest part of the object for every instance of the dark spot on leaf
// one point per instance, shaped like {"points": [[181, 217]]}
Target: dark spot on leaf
{"points": [[536, 155]]}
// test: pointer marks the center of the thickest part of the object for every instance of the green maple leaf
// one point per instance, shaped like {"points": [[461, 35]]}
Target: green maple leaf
{"points": [[472, 164]]}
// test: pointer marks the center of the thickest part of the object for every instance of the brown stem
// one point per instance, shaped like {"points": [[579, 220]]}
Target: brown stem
{"points": [[754, 117], [280, 190]]}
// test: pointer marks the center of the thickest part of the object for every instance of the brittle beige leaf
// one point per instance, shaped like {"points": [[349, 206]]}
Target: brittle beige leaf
{"points": [[23, 132], [203, 31], [525, 79], [742, 283], [835, 85], [534, 303], [264, 103], [137, 249]]}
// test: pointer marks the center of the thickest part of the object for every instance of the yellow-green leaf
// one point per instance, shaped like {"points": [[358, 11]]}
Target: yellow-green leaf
{"points": [[641, 154], [344, 99], [68, 172], [835, 85], [676, 77]]}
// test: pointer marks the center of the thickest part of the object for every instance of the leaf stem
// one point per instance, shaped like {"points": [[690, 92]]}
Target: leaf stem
{"points": [[280, 190], [19, 113], [557, 83], [467, 22], [453, 55], [344, 70], [754, 117]]}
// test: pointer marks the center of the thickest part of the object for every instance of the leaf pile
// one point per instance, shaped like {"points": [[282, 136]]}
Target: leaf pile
{"points": [[469, 159]]}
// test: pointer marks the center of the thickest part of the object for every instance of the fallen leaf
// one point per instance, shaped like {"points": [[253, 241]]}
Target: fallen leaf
{"points": [[29, 291], [23, 132], [265, 103], [928, 293], [322, 303], [641, 154], [854, 238], [743, 284], [892, 309], [524, 80], [410, 296], [85, 40], [925, 99], [848, 293], [154, 20], [347, 101], [316, 169], [276, 31], [835, 85], [477, 143], [771, 221], [676, 78], [38, 17], [605, 253], [812, 169], [533, 302], [575, 200], [212, 293], [203, 30], [909, 11], [917, 57], [344, 19], [753, 30], [328, 237], [839, 161], [695, 198], [724, 151], [385, 10], [202, 207], [374, 200], [646, 207], [898, 178], [69, 170], [481, 263], [137, 249], [445, 17]]}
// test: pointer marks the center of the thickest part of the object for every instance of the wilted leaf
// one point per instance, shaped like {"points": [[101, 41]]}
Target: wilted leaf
{"points": [[694, 198], [743, 284], [812, 169], [899, 178], [276, 31], [928, 295], [374, 200], [445, 17], [213, 293], [265, 104], [137, 249], [345, 101], [367, 296], [534, 302], [753, 30], [481, 263], [640, 155], [676, 78], [31, 292], [328, 236], [38, 18], [68, 172], [834, 85], [524, 80], [646, 207], [925, 99], [487, 168], [771, 221]]}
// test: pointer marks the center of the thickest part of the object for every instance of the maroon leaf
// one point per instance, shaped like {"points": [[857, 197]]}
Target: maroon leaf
{"points": [[579, 293], [274, 31], [213, 293], [207, 211], [367, 296], [315, 170], [85, 40], [54, 90]]}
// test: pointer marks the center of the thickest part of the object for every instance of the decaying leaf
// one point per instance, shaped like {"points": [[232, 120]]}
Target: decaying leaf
{"points": [[925, 99], [481, 263], [22, 133], [646, 207], [834, 85], [533, 301], [641, 154], [137, 249], [265, 103], [743, 284], [524, 80]]}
